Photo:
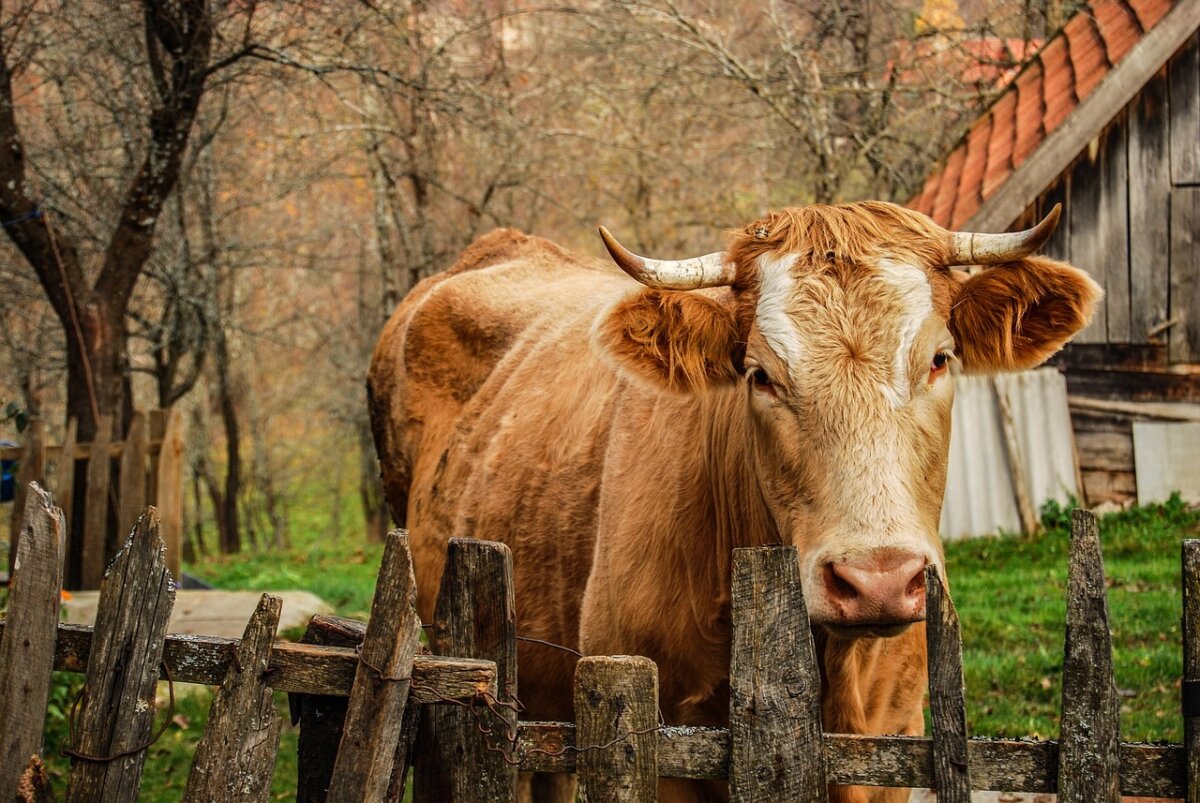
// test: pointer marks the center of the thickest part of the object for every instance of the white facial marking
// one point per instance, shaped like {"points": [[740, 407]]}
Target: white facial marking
{"points": [[773, 321], [916, 299]]}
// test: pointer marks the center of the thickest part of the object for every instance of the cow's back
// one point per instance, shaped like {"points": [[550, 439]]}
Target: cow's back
{"points": [[490, 411]]}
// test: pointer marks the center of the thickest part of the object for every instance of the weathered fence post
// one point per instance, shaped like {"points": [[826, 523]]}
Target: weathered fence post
{"points": [[321, 718], [616, 716], [946, 693], [775, 707], [94, 543], [64, 477], [475, 618], [235, 759], [1089, 747], [132, 476], [116, 713], [382, 680], [27, 649], [1191, 666], [168, 488]]}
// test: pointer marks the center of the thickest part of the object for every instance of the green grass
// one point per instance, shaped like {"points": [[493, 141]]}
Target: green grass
{"points": [[1009, 592]]}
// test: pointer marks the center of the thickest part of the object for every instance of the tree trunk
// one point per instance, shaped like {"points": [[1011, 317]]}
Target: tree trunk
{"points": [[230, 534]]}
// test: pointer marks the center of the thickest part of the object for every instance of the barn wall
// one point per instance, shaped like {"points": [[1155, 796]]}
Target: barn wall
{"points": [[1132, 219]]}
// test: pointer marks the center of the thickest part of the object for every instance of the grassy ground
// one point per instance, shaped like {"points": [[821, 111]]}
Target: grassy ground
{"points": [[1009, 593]]}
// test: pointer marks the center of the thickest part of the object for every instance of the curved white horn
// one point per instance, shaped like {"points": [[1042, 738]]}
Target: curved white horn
{"points": [[972, 248], [709, 270]]}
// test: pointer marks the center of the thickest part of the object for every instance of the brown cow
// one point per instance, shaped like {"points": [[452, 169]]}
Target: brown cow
{"points": [[623, 438]]}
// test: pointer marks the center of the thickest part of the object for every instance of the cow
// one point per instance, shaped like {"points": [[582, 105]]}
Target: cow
{"points": [[624, 436]]}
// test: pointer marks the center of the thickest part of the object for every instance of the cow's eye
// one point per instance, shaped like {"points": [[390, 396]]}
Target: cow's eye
{"points": [[940, 361], [761, 381]]}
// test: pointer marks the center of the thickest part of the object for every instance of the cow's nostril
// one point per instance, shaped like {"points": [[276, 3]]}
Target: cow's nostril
{"points": [[838, 587], [916, 586]]}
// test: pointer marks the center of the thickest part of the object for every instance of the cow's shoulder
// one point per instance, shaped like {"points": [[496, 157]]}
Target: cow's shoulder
{"points": [[508, 245]]}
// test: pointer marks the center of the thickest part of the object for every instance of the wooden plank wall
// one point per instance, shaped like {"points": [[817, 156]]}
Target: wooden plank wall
{"points": [[1131, 211], [1132, 217]]}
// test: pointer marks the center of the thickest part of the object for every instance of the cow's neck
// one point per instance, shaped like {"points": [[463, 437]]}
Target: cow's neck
{"points": [[728, 479]]}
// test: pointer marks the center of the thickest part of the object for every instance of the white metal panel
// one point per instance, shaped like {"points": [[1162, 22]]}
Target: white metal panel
{"points": [[979, 487], [1164, 457]]}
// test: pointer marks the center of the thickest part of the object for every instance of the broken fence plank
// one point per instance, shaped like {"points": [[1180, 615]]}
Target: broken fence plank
{"points": [[297, 668], [321, 717], [95, 508], [946, 693], [1089, 760], [235, 759], [475, 618], [367, 751], [168, 488], [1191, 665], [64, 476], [132, 474], [116, 712], [27, 653], [616, 711], [775, 703]]}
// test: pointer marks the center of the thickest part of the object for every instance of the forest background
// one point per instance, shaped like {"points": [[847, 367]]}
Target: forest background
{"points": [[215, 205]]}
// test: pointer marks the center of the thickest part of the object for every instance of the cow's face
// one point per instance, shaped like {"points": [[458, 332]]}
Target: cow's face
{"points": [[840, 332]]}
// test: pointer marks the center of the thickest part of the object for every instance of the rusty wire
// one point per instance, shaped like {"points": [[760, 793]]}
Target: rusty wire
{"points": [[67, 750]]}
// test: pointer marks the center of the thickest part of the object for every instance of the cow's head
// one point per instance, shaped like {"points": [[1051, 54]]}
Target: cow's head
{"points": [[839, 327]]}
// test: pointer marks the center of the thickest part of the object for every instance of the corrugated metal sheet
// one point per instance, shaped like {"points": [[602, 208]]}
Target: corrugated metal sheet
{"points": [[979, 488]]}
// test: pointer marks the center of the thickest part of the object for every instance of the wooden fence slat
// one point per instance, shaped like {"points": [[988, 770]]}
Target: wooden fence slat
{"points": [[475, 618], [300, 668], [132, 482], [1147, 770], [31, 468], [1191, 665], [235, 759], [321, 717], [1089, 759], [64, 488], [616, 714], [168, 489], [775, 704], [366, 755], [116, 712], [95, 512], [946, 693], [27, 653]]}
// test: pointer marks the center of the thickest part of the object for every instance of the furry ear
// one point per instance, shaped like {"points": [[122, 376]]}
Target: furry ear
{"points": [[682, 340], [1016, 316]]}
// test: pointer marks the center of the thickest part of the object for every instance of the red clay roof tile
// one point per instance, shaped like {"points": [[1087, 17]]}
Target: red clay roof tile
{"points": [[1036, 102], [1028, 122], [967, 198], [1089, 56], [1000, 146]]}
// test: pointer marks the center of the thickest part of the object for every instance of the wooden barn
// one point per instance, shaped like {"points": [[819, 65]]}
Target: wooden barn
{"points": [[1106, 120]]}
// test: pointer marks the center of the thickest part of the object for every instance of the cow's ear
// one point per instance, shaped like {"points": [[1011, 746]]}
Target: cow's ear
{"points": [[1015, 316], [681, 340]]}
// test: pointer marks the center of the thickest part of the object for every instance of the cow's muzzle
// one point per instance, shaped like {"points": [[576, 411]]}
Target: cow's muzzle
{"points": [[876, 594]]}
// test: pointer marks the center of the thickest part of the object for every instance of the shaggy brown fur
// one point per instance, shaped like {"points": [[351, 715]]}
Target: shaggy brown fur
{"points": [[605, 433]]}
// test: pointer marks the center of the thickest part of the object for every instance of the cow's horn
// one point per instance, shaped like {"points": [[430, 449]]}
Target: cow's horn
{"points": [[970, 248], [709, 270]]}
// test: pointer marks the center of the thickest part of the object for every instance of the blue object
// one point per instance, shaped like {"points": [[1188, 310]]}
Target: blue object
{"points": [[8, 483]]}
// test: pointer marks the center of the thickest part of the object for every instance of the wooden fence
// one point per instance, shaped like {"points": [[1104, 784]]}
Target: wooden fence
{"points": [[149, 465], [351, 682]]}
